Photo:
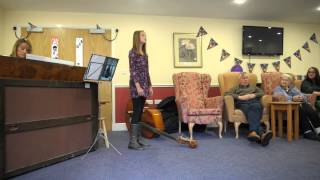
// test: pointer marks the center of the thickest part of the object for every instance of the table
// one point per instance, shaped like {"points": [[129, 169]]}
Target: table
{"points": [[288, 107]]}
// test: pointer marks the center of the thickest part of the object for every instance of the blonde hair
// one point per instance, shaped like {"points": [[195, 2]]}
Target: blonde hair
{"points": [[136, 43], [17, 44]]}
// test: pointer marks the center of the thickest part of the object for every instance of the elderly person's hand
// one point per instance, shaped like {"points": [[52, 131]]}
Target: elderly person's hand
{"points": [[247, 97], [251, 96], [317, 93], [297, 98]]}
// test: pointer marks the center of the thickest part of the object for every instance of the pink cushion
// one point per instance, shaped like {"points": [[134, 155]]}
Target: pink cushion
{"points": [[197, 112]]}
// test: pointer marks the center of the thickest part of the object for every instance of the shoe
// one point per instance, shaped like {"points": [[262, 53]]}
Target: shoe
{"points": [[311, 136], [142, 141], [265, 138], [254, 137], [317, 131], [133, 140]]}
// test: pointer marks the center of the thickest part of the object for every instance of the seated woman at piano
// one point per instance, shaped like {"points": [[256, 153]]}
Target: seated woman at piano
{"points": [[21, 48], [309, 119]]}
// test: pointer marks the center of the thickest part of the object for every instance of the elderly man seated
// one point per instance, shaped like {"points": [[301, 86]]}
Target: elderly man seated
{"points": [[247, 99]]}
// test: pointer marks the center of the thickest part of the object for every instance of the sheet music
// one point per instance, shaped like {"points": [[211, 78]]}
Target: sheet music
{"points": [[95, 67], [94, 71], [110, 69], [101, 68]]}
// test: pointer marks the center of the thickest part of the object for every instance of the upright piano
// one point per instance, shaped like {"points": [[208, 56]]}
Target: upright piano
{"points": [[47, 114]]}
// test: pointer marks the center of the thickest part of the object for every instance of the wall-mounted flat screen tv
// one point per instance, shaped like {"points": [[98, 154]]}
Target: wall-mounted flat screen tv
{"points": [[262, 41]]}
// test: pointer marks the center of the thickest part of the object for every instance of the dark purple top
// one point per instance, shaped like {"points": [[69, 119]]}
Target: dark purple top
{"points": [[139, 72]]}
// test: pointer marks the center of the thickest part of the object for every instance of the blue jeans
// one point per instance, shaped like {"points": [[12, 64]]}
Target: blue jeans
{"points": [[252, 109]]}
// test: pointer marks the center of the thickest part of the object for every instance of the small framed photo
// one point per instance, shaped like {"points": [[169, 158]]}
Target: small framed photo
{"points": [[187, 49]]}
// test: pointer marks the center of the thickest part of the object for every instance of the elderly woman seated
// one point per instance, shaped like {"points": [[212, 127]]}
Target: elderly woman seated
{"points": [[308, 116]]}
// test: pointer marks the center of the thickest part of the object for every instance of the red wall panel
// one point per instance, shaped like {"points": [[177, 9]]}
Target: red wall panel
{"points": [[122, 96]]}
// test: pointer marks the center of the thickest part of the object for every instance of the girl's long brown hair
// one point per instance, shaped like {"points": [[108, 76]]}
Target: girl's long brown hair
{"points": [[136, 43], [317, 77]]}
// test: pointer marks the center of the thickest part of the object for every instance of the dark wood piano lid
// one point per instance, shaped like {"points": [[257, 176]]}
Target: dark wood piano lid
{"points": [[16, 68]]}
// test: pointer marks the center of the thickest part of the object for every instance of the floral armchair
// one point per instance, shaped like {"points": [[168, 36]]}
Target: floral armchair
{"points": [[194, 105]]}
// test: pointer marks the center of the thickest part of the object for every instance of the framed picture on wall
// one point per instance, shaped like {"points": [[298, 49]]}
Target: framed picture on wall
{"points": [[187, 50]]}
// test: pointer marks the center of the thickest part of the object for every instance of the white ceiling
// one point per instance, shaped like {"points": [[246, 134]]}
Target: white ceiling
{"points": [[300, 11]]}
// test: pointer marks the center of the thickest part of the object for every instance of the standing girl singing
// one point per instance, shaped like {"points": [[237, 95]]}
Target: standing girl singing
{"points": [[140, 87]]}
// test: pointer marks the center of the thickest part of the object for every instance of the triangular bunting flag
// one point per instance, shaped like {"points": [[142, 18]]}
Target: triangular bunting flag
{"points": [[224, 55], [306, 47], [201, 32], [264, 67], [237, 61], [314, 38], [251, 66], [212, 44], [276, 65], [288, 61], [298, 54]]}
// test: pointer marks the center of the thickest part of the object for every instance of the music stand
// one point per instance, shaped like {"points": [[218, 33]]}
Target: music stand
{"points": [[101, 68]]}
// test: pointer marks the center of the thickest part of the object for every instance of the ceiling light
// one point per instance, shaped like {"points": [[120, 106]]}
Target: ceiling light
{"points": [[318, 8], [239, 1], [249, 36]]}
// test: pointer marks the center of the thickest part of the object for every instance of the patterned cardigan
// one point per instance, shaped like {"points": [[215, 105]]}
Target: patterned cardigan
{"points": [[289, 93], [139, 73]]}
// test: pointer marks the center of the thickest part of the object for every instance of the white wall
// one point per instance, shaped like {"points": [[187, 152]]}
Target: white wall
{"points": [[159, 29], [1, 31]]}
